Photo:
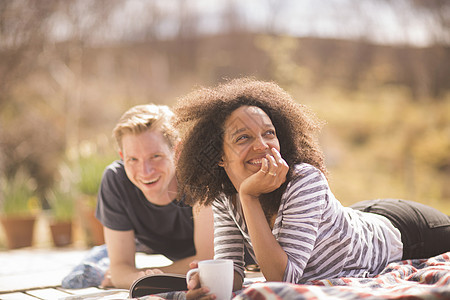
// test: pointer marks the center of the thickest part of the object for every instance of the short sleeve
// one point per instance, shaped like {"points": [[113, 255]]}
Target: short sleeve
{"points": [[111, 199]]}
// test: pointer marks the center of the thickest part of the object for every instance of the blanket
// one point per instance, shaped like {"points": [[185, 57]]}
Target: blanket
{"points": [[407, 279]]}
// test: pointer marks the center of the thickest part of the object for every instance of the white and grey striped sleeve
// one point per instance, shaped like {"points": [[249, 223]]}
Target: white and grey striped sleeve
{"points": [[228, 240]]}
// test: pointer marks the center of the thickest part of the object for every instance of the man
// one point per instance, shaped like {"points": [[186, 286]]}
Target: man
{"points": [[137, 202]]}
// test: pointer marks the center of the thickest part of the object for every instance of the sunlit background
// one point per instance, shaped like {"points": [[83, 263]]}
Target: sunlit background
{"points": [[376, 71]]}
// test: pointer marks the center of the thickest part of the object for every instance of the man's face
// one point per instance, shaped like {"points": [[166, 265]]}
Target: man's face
{"points": [[149, 164]]}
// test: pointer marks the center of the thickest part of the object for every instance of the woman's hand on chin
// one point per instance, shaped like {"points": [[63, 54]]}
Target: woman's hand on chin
{"points": [[270, 177]]}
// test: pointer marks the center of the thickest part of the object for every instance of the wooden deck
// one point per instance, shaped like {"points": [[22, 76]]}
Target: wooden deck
{"points": [[37, 272], [32, 273], [62, 294]]}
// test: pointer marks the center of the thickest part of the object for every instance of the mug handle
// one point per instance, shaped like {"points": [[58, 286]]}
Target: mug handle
{"points": [[190, 273]]}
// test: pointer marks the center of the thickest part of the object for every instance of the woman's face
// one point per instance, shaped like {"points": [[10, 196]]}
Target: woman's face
{"points": [[249, 136]]}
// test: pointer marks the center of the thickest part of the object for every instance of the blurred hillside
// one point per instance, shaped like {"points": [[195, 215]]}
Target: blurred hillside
{"points": [[387, 106]]}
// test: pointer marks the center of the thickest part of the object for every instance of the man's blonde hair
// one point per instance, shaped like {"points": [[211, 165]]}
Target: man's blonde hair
{"points": [[141, 118]]}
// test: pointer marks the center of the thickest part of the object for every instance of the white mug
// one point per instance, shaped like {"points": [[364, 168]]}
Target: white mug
{"points": [[217, 275]]}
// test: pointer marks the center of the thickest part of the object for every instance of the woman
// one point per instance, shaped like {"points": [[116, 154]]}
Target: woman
{"points": [[249, 150]]}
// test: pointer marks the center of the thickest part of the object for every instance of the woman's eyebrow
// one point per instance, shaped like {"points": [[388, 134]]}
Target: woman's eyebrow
{"points": [[237, 131]]}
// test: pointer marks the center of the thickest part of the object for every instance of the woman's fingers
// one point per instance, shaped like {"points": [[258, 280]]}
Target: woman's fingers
{"points": [[272, 165], [264, 166], [279, 159], [273, 172], [199, 293], [194, 282], [276, 164], [193, 264], [283, 167]]}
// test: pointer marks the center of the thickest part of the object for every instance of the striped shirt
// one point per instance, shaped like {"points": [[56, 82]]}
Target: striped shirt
{"points": [[322, 239]]}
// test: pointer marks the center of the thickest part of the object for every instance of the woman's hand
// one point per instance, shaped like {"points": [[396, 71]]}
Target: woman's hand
{"points": [[270, 177], [195, 291]]}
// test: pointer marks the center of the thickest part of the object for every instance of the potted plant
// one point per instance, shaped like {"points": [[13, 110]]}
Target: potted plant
{"points": [[19, 208], [91, 169], [62, 213]]}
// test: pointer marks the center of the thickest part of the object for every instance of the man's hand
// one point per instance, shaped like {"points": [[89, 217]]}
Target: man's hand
{"points": [[106, 282]]}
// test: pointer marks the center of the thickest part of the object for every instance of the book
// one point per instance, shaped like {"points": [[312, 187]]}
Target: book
{"points": [[158, 283]]}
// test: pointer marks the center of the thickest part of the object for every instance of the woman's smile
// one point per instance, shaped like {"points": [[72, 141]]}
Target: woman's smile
{"points": [[257, 161]]}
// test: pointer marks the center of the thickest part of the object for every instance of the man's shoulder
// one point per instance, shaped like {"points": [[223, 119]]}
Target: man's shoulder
{"points": [[115, 185], [115, 173], [116, 167]]}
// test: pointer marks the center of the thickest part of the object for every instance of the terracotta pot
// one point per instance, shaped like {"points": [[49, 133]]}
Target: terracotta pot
{"points": [[19, 230], [92, 227], [61, 233], [95, 228]]}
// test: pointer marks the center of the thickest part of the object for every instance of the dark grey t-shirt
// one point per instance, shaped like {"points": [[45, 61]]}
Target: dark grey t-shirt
{"points": [[167, 230]]}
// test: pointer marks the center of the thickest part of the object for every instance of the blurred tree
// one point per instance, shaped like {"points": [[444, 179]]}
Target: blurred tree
{"points": [[22, 38], [40, 82], [69, 68], [26, 135], [425, 72]]}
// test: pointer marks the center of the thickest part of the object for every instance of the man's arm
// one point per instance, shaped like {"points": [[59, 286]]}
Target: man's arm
{"points": [[203, 239], [121, 251]]}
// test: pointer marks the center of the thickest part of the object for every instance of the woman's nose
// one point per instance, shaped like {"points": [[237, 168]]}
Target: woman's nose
{"points": [[260, 144]]}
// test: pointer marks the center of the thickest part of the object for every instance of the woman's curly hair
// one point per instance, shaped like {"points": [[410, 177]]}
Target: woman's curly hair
{"points": [[200, 118]]}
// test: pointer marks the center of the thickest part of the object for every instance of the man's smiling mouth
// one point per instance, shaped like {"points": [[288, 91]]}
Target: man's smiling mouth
{"points": [[151, 181]]}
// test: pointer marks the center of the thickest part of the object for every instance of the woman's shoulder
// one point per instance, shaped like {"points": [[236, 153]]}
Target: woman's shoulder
{"points": [[306, 174], [308, 185], [222, 202], [305, 169]]}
